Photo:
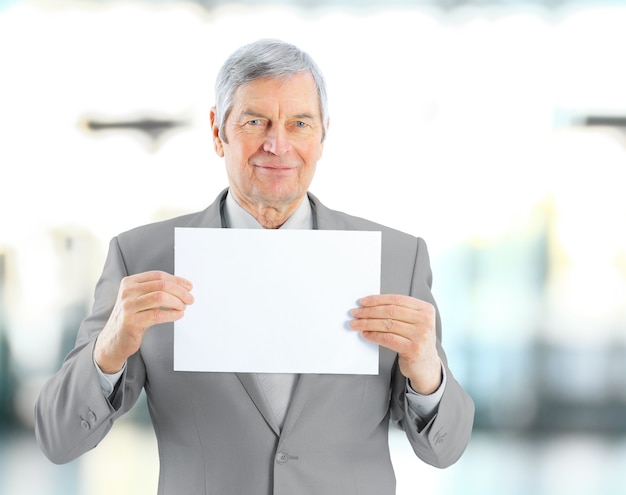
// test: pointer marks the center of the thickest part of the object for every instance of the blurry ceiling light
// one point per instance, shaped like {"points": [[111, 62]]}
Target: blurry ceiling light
{"points": [[152, 128]]}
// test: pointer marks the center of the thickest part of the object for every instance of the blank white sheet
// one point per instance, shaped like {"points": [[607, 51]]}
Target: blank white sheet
{"points": [[275, 301]]}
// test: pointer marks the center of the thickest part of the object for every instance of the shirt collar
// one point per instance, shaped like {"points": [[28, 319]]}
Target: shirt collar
{"points": [[236, 217]]}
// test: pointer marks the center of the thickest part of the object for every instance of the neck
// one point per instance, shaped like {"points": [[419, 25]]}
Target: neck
{"points": [[270, 216]]}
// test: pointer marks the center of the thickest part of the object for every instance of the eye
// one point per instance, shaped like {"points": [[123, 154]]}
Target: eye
{"points": [[301, 124], [254, 122]]}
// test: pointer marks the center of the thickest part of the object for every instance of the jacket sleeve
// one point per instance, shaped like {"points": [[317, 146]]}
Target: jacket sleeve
{"points": [[72, 415], [444, 439]]}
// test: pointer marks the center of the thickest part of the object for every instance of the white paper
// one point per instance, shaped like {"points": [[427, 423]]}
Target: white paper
{"points": [[275, 301]]}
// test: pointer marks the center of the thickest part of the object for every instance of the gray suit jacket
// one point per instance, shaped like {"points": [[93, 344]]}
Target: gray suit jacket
{"points": [[216, 433]]}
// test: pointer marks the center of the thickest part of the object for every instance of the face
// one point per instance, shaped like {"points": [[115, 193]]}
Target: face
{"points": [[274, 133]]}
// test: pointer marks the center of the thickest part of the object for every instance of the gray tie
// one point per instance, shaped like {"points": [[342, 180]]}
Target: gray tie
{"points": [[278, 388]]}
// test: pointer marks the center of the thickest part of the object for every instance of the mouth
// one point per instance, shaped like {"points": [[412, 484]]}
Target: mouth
{"points": [[278, 166], [273, 168]]}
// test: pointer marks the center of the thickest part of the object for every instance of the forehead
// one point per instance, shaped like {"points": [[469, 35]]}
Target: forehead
{"points": [[297, 92]]}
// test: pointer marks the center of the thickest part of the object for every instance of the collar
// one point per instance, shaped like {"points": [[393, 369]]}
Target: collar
{"points": [[236, 217]]}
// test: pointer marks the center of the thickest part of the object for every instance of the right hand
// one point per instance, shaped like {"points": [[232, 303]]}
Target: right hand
{"points": [[143, 300]]}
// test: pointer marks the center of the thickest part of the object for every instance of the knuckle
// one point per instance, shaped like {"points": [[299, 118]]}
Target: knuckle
{"points": [[431, 318], [126, 297], [397, 299], [387, 340], [125, 288], [415, 348], [161, 315], [126, 305], [429, 309], [391, 311], [159, 298]]}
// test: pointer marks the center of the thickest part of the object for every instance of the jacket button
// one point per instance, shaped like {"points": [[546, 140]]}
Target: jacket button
{"points": [[85, 425], [440, 437], [282, 457], [91, 416]]}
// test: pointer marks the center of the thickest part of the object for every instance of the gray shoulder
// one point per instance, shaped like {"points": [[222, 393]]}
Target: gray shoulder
{"points": [[158, 229], [391, 236], [151, 246], [164, 230]]}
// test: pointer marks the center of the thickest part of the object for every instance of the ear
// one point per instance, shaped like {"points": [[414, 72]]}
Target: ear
{"points": [[324, 140], [326, 128], [218, 145]]}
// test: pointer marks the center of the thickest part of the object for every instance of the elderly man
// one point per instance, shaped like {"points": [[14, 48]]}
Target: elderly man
{"points": [[225, 433]]}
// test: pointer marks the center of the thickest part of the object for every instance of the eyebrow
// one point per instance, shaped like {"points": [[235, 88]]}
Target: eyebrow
{"points": [[253, 113]]}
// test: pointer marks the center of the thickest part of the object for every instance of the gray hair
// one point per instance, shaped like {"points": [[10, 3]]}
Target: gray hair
{"points": [[264, 59]]}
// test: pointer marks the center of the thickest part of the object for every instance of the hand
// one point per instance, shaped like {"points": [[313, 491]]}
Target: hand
{"points": [[143, 300], [405, 325]]}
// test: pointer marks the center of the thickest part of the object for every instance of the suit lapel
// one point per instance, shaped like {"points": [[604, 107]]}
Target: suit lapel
{"points": [[325, 219], [303, 393], [251, 383]]}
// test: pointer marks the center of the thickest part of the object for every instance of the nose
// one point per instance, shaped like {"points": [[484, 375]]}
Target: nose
{"points": [[276, 141]]}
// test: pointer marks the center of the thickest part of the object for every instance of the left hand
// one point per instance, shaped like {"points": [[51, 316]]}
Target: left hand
{"points": [[405, 325]]}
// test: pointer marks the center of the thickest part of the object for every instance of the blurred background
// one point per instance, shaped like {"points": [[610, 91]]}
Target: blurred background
{"points": [[493, 129]]}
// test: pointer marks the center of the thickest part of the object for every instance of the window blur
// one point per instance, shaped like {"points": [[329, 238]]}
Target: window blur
{"points": [[495, 130]]}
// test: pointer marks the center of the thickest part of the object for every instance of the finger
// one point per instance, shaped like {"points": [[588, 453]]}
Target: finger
{"points": [[159, 315], [150, 309], [401, 313], [394, 300], [157, 300], [392, 341], [383, 325], [160, 275], [140, 296], [167, 287], [410, 349]]}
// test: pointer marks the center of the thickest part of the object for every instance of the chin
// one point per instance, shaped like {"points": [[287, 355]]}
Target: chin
{"points": [[280, 194]]}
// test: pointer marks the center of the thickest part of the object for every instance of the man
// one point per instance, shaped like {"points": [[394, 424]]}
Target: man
{"points": [[225, 433]]}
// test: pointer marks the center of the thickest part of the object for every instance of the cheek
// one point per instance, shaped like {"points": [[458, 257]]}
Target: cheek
{"points": [[311, 154], [238, 156], [318, 151], [247, 150]]}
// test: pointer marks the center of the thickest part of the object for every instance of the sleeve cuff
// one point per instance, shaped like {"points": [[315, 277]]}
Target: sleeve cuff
{"points": [[108, 381], [425, 406]]}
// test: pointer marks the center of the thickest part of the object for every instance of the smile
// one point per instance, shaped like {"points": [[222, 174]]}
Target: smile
{"points": [[275, 169]]}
